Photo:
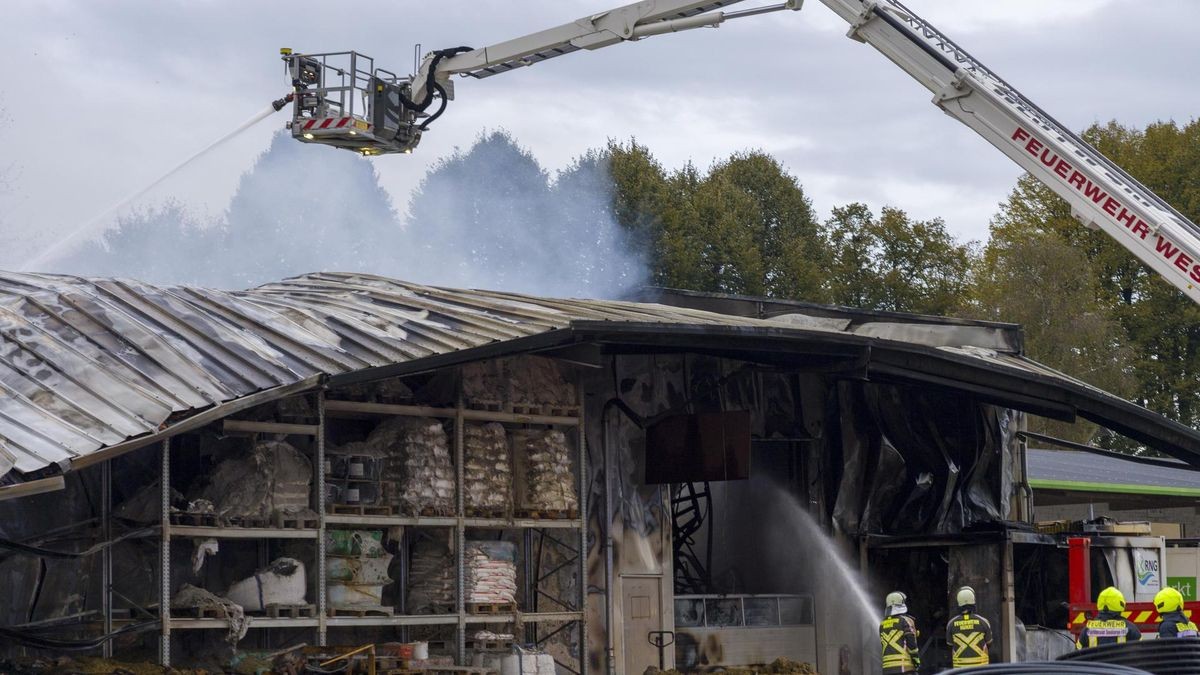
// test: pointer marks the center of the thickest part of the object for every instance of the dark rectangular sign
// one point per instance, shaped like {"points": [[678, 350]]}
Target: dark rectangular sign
{"points": [[700, 447]]}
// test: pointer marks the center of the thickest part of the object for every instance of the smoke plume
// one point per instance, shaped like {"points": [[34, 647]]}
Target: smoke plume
{"points": [[488, 217]]}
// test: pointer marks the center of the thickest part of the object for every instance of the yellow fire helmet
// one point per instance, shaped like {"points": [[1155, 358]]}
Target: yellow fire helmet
{"points": [[1168, 600], [895, 598], [1111, 599], [965, 596]]}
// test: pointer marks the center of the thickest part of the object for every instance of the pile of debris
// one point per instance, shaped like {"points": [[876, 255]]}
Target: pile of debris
{"points": [[273, 481], [780, 666], [487, 469], [417, 463], [491, 572], [191, 597]]}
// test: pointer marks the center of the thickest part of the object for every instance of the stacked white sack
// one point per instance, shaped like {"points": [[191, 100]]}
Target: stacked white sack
{"points": [[418, 461], [550, 485], [487, 468], [491, 572]]}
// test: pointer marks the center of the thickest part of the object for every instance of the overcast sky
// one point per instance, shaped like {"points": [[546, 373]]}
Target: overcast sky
{"points": [[101, 98]]}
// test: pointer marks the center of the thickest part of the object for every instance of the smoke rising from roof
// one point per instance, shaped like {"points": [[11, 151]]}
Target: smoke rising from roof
{"points": [[487, 217]]}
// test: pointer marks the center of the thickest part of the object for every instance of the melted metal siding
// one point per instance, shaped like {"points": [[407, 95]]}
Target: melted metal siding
{"points": [[89, 363]]}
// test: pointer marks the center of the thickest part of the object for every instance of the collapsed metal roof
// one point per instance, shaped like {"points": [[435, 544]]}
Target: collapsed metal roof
{"points": [[93, 366], [1077, 471]]}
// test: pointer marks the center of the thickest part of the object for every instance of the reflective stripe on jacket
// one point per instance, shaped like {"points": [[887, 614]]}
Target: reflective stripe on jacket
{"points": [[898, 639], [1106, 629], [968, 636], [1175, 624]]}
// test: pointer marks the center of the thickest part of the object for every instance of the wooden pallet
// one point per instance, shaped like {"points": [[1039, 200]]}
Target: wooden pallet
{"points": [[428, 512], [244, 521], [217, 612], [491, 607], [295, 522], [546, 409], [362, 509], [461, 670], [286, 611], [196, 519], [490, 645], [489, 405], [361, 610], [486, 513], [547, 514]]}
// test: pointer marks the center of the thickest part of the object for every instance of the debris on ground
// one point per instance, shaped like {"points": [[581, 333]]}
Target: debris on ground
{"points": [[780, 666], [88, 665]]}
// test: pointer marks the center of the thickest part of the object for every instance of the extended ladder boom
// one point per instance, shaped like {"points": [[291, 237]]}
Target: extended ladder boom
{"points": [[1101, 194], [627, 23]]}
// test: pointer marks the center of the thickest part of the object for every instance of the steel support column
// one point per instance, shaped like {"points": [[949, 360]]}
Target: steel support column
{"points": [[106, 561], [581, 431], [164, 573], [1008, 604], [322, 598], [460, 531]]}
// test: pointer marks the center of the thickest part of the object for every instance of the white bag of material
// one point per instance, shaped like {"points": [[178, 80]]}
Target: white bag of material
{"points": [[342, 594], [487, 468], [549, 481], [527, 663], [491, 572], [275, 478], [417, 461], [283, 582], [359, 570]]}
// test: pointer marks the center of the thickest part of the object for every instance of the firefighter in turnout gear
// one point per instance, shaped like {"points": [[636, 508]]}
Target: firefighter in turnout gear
{"points": [[898, 636], [1109, 626], [968, 634], [1175, 624]]}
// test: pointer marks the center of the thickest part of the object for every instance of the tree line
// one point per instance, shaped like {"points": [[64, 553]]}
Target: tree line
{"points": [[616, 218]]}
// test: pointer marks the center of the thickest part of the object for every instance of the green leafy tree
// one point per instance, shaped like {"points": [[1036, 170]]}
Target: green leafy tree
{"points": [[744, 227], [1033, 279], [1159, 327], [895, 263]]}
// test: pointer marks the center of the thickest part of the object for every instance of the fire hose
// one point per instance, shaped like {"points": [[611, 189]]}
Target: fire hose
{"points": [[1047, 668], [1160, 657]]}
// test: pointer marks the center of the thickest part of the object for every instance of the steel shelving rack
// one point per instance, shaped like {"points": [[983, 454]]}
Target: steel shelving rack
{"points": [[569, 534]]}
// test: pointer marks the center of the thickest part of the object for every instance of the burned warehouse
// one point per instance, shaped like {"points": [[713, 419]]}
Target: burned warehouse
{"points": [[198, 477]]}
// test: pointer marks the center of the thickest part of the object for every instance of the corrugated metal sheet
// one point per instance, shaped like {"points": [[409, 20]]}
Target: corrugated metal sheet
{"points": [[86, 364], [1085, 471]]}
